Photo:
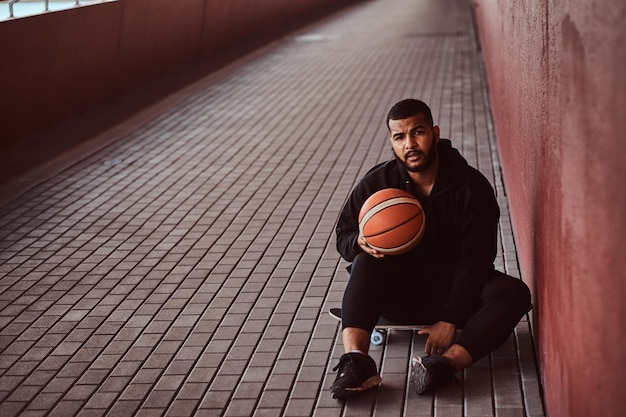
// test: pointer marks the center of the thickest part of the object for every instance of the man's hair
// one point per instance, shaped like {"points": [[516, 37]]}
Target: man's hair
{"points": [[408, 108]]}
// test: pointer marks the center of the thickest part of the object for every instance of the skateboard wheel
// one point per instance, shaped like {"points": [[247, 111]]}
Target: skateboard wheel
{"points": [[377, 337]]}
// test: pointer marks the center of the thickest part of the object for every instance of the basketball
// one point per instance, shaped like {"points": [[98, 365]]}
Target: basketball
{"points": [[392, 221]]}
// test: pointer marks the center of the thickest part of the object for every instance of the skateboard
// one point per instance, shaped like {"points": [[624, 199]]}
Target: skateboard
{"points": [[379, 332]]}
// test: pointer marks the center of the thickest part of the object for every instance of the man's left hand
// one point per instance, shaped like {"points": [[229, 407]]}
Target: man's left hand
{"points": [[441, 336]]}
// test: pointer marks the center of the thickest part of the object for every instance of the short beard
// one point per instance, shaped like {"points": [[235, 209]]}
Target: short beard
{"points": [[429, 159]]}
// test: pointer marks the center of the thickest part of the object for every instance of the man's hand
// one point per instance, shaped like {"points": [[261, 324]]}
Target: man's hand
{"points": [[441, 336], [366, 248]]}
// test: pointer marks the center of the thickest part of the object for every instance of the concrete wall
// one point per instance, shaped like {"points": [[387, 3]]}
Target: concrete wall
{"points": [[558, 93], [58, 64]]}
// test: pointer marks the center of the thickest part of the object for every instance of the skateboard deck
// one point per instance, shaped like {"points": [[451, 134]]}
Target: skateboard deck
{"points": [[378, 334]]}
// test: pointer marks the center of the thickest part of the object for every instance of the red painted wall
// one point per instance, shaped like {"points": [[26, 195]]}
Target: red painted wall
{"points": [[57, 64], [558, 94]]}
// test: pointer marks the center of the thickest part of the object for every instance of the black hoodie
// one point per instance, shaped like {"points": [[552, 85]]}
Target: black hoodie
{"points": [[455, 256]]}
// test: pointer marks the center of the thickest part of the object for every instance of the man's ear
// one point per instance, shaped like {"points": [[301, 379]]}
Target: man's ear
{"points": [[436, 133]]}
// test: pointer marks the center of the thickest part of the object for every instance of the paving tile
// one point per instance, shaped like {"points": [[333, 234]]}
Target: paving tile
{"points": [[159, 399], [101, 401], [66, 408], [80, 392], [44, 401], [124, 408]]}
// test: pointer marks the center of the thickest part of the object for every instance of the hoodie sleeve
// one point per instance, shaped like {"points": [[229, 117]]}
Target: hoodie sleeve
{"points": [[347, 229], [478, 220]]}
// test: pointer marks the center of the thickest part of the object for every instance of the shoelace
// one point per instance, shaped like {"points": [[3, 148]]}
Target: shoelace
{"points": [[343, 361]]}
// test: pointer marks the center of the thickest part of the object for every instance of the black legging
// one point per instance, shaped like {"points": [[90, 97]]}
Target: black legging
{"points": [[378, 289]]}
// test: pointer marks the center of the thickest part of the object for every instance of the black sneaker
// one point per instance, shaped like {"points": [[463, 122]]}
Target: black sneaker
{"points": [[357, 373], [431, 372]]}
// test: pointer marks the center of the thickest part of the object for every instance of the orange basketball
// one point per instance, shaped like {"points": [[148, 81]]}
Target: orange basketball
{"points": [[392, 221]]}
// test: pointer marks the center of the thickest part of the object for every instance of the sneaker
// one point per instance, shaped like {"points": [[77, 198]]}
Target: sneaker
{"points": [[357, 373], [431, 372]]}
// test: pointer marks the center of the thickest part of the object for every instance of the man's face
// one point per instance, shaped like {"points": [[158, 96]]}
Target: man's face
{"points": [[414, 142]]}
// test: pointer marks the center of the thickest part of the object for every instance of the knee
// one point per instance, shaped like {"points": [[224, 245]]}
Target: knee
{"points": [[365, 260], [522, 294], [365, 264], [514, 290]]}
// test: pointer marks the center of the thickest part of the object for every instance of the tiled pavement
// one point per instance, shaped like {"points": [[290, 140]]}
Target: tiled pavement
{"points": [[186, 268]]}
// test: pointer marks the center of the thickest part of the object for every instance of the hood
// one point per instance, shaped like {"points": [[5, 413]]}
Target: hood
{"points": [[452, 167]]}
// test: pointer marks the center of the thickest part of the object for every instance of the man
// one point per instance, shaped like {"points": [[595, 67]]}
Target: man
{"points": [[448, 280]]}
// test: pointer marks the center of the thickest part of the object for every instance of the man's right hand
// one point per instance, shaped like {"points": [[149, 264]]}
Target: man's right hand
{"points": [[367, 249]]}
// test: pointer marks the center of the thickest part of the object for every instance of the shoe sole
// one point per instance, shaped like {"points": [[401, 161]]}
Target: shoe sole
{"points": [[427, 377], [421, 378], [370, 383]]}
